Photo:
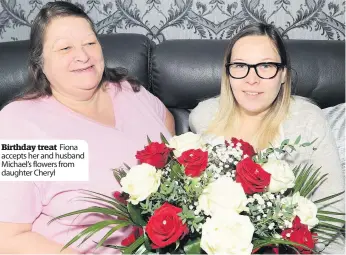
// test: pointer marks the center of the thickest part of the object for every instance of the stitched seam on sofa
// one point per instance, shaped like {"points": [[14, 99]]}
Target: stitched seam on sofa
{"points": [[149, 66]]}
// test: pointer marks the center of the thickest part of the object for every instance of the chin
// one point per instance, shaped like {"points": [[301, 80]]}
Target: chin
{"points": [[253, 110], [87, 84]]}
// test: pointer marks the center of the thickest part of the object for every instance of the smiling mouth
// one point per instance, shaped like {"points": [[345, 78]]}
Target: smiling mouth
{"points": [[83, 69], [252, 93]]}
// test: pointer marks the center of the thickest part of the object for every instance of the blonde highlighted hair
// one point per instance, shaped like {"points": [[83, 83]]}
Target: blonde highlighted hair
{"points": [[228, 114]]}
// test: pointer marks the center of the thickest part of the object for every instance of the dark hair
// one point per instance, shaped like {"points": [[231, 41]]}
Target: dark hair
{"points": [[38, 84], [265, 30]]}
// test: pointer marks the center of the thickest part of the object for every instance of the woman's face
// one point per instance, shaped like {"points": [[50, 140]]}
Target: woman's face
{"points": [[72, 56], [253, 94]]}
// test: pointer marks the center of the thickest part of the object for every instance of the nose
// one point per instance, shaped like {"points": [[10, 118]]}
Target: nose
{"points": [[252, 77], [81, 55]]}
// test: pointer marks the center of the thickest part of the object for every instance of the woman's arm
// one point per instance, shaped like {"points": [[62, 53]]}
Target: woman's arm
{"points": [[169, 122], [17, 238], [325, 155]]}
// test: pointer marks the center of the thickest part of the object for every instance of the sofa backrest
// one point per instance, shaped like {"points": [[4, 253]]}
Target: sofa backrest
{"points": [[130, 51], [186, 72]]}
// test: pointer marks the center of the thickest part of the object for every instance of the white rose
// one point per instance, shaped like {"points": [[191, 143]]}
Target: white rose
{"points": [[229, 233], [141, 181], [223, 195], [307, 212], [282, 176], [291, 201], [186, 142], [305, 209]]}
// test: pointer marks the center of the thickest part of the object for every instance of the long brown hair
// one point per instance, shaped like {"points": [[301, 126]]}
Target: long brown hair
{"points": [[38, 84]]}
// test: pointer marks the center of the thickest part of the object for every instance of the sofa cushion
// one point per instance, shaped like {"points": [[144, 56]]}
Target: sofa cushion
{"points": [[131, 51], [335, 116]]}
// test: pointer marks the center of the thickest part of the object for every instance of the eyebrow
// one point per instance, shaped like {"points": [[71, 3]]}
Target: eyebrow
{"points": [[263, 59], [238, 59], [63, 38]]}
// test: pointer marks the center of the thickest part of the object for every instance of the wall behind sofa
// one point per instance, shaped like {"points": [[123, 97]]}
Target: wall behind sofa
{"points": [[184, 19]]}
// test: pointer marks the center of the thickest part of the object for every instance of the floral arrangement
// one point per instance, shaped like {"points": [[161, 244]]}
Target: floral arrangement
{"points": [[203, 194]]}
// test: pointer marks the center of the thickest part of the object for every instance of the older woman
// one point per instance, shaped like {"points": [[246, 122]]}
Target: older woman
{"points": [[72, 95]]}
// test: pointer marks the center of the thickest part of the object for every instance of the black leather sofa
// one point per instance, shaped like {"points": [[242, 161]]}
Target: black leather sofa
{"points": [[183, 72]]}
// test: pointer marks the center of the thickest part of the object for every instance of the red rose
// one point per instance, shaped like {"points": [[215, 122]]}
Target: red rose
{"points": [[195, 161], [300, 233], [120, 197], [155, 154], [251, 176], [245, 147], [135, 234], [165, 226]]}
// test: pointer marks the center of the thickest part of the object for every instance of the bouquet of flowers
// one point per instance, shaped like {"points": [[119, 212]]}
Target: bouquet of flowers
{"points": [[203, 194]]}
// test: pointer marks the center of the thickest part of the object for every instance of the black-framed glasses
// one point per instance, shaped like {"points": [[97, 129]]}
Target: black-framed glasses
{"points": [[264, 70]]}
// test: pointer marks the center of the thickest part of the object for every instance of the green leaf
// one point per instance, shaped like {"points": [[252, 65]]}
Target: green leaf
{"points": [[177, 243], [316, 183], [163, 139], [176, 171], [110, 232], [93, 192], [130, 249], [270, 241], [284, 143], [198, 219], [301, 178], [164, 190], [141, 250], [112, 200], [118, 174], [297, 140], [328, 198], [296, 169], [127, 166], [90, 231], [135, 214], [114, 247], [269, 150], [329, 212], [328, 226], [291, 147], [148, 139], [325, 240], [93, 209], [279, 150], [310, 184], [147, 242], [114, 204], [116, 212], [330, 219], [308, 143], [321, 232], [193, 247]]}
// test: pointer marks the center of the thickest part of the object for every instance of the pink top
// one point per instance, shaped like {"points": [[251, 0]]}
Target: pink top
{"points": [[137, 115]]}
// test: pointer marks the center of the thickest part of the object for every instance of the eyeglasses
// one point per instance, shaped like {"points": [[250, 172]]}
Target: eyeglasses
{"points": [[265, 70]]}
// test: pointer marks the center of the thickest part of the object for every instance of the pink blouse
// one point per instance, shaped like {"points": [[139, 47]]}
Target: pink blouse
{"points": [[137, 116]]}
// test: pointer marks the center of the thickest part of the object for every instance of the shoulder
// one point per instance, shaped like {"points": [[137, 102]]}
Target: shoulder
{"points": [[125, 89], [18, 109], [18, 119], [302, 108], [202, 115], [141, 99], [305, 118]]}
